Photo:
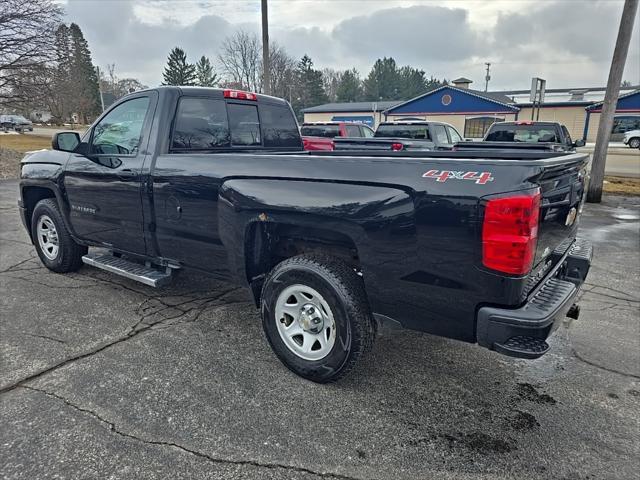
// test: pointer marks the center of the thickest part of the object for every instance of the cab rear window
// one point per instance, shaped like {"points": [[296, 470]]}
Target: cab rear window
{"points": [[404, 131], [244, 124], [279, 127], [205, 124], [201, 124], [522, 133], [326, 131]]}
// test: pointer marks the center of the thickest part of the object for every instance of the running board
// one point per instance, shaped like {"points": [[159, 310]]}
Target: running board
{"points": [[132, 270]]}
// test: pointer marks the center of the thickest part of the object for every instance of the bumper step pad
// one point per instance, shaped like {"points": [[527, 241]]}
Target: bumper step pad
{"points": [[132, 270], [523, 347]]}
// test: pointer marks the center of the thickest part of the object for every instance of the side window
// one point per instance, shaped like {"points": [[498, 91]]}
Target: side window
{"points": [[352, 130], [119, 132], [567, 137], [201, 124], [455, 136], [244, 125], [279, 128], [367, 132], [440, 134]]}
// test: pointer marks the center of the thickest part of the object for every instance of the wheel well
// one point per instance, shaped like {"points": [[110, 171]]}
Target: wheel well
{"points": [[268, 244], [31, 196]]}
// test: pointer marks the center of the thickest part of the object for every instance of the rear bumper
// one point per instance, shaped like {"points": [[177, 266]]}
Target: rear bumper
{"points": [[522, 332]]}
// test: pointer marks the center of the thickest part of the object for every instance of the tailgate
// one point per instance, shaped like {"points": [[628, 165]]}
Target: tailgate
{"points": [[563, 190], [346, 143]]}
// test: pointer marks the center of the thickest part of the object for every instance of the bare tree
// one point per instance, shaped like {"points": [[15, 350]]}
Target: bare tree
{"points": [[330, 81], [240, 60], [27, 32], [118, 87], [282, 66]]}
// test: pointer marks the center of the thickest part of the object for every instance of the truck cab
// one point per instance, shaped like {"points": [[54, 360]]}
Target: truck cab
{"points": [[320, 135]]}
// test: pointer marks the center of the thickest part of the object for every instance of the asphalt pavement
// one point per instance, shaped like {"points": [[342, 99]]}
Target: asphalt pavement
{"points": [[102, 377]]}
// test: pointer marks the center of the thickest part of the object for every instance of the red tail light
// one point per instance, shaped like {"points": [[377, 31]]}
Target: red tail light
{"points": [[510, 233], [239, 95], [396, 147]]}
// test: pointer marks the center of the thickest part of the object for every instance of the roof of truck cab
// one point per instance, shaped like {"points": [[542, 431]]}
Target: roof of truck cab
{"points": [[414, 122], [209, 91]]}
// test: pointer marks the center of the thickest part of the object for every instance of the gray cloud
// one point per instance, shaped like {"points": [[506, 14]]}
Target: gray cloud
{"points": [[138, 49], [567, 42]]}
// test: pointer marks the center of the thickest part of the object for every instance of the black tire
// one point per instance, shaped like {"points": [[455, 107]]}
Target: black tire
{"points": [[634, 143], [343, 290], [69, 255]]}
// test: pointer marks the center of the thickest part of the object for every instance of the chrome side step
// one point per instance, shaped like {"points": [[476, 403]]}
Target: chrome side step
{"points": [[132, 270]]}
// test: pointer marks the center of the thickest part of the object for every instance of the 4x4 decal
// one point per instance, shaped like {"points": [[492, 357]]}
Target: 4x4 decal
{"points": [[442, 176]]}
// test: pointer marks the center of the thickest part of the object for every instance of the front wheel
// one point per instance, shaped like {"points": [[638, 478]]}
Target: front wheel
{"points": [[634, 143], [54, 245], [316, 316]]}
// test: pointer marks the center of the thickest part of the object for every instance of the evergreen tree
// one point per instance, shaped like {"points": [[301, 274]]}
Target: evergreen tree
{"points": [[310, 90], [383, 81], [178, 71], [59, 99], [412, 82], [205, 77], [83, 77], [349, 87]]}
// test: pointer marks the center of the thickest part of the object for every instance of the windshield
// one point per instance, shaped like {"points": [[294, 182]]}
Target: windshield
{"points": [[522, 133], [404, 131], [328, 131]]}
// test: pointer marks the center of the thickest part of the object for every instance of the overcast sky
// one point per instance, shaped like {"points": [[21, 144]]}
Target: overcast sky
{"points": [[567, 42]]}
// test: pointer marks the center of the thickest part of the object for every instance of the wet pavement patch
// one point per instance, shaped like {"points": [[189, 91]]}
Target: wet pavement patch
{"points": [[523, 421], [479, 442], [528, 392]]}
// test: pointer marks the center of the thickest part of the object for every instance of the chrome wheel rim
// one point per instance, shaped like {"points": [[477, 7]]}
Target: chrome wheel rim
{"points": [[47, 237], [305, 322]]}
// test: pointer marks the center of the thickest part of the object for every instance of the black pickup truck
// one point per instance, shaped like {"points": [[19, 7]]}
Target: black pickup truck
{"points": [[404, 135], [524, 135], [479, 247]]}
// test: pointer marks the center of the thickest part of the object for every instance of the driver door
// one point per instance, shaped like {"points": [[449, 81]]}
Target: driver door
{"points": [[104, 185]]}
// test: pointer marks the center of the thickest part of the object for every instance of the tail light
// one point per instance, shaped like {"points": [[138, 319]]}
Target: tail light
{"points": [[239, 95], [396, 147], [510, 233], [333, 145]]}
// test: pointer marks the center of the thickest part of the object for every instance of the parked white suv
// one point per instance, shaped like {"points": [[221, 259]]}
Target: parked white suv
{"points": [[632, 138]]}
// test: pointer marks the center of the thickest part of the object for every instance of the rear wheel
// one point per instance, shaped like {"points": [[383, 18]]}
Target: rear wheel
{"points": [[316, 316], [634, 143], [56, 249]]}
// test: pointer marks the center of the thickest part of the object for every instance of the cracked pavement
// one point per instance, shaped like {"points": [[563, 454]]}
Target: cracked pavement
{"points": [[102, 377]]}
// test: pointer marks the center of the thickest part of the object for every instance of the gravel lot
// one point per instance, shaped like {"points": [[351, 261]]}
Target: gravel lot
{"points": [[105, 378]]}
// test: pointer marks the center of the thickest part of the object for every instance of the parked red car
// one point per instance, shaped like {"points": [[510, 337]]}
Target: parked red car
{"points": [[319, 136]]}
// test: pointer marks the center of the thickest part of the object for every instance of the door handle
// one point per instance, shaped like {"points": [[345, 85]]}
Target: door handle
{"points": [[127, 173]]}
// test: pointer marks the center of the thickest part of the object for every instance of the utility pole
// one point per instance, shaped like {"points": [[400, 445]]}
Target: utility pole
{"points": [[100, 88], [266, 71], [487, 77], [594, 195]]}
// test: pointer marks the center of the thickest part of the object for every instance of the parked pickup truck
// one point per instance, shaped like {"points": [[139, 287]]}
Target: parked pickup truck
{"points": [[524, 134], [320, 135], [15, 122], [479, 247], [405, 135]]}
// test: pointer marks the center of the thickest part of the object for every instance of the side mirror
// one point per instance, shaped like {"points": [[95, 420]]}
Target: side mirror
{"points": [[65, 141], [578, 143]]}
